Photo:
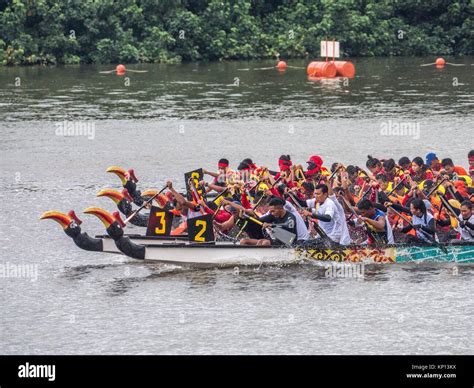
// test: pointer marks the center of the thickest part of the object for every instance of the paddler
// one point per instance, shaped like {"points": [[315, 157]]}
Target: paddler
{"points": [[188, 208], [316, 171], [404, 163], [433, 163], [330, 214], [466, 222], [422, 221], [452, 170], [378, 227], [420, 171], [374, 165], [221, 178], [277, 216]]}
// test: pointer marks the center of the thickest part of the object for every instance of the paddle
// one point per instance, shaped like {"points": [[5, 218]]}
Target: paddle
{"points": [[396, 187], [448, 206], [433, 239], [222, 193], [278, 232], [432, 191], [335, 172], [131, 216]]}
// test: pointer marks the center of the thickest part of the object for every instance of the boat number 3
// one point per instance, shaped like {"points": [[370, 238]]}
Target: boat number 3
{"points": [[195, 177], [203, 225], [161, 229]]}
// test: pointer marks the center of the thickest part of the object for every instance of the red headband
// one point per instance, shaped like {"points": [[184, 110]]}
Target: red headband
{"points": [[222, 165]]}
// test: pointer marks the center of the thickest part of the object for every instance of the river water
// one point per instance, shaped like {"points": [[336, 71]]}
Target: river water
{"points": [[173, 119]]}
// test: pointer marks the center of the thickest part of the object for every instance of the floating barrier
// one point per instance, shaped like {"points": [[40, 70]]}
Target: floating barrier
{"points": [[120, 69], [331, 69], [345, 69], [321, 69], [440, 62]]}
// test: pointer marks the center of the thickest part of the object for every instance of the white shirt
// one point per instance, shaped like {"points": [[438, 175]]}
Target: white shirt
{"points": [[466, 233], [301, 229], [332, 228], [345, 236]]}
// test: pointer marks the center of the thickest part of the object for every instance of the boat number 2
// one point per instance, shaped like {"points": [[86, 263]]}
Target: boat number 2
{"points": [[203, 225], [162, 223]]}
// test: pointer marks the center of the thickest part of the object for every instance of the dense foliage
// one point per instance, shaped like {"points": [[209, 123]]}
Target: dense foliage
{"points": [[130, 31]]}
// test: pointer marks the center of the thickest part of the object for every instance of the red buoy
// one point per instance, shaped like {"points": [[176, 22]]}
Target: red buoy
{"points": [[440, 62], [120, 69], [321, 69], [345, 69], [281, 65]]}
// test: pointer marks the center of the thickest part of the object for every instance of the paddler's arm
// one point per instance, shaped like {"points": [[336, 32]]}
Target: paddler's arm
{"points": [[183, 201], [430, 229], [321, 217], [214, 174], [467, 224], [211, 186], [345, 185], [326, 217], [457, 194], [406, 229], [226, 225], [378, 224], [380, 206], [399, 208], [240, 208]]}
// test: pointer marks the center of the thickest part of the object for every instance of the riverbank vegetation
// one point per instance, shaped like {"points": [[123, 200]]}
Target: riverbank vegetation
{"points": [[171, 31]]}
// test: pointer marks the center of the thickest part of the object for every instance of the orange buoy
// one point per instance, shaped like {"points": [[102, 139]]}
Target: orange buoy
{"points": [[345, 69], [281, 65], [440, 62], [120, 69], [321, 69]]}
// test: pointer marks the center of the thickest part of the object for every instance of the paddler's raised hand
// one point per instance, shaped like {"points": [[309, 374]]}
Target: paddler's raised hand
{"points": [[169, 185], [388, 204], [306, 213], [266, 225]]}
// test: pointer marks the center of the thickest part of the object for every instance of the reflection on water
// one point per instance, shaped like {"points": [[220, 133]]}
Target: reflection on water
{"points": [[222, 91], [262, 278]]}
